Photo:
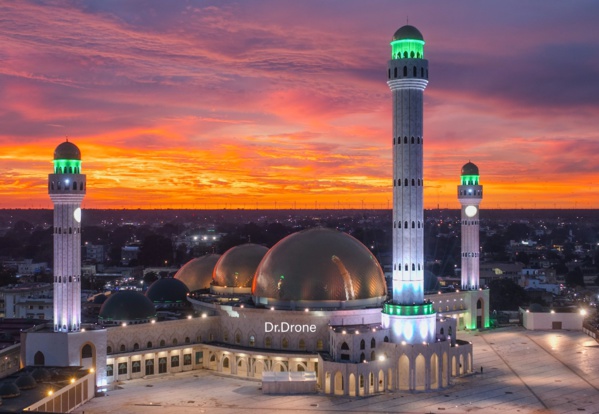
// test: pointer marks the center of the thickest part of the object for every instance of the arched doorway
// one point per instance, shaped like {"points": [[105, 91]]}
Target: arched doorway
{"points": [[339, 383], [404, 373], [420, 372], [444, 370], [434, 376], [242, 367], [352, 385], [39, 358]]}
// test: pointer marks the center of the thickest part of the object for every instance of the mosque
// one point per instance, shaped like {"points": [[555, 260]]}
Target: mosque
{"points": [[315, 304]]}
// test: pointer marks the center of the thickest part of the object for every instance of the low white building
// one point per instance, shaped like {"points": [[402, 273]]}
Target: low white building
{"points": [[538, 318]]}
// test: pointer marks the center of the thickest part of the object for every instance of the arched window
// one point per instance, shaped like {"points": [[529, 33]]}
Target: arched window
{"points": [[81, 186], [237, 338], [479, 304], [267, 342], [405, 70], [415, 71], [175, 342], [162, 342], [412, 140], [39, 359], [226, 363], [109, 349], [122, 348], [285, 343], [302, 344], [395, 72], [406, 182], [386, 339], [319, 345], [149, 344], [405, 140], [372, 343], [135, 346], [345, 346], [413, 182], [362, 345], [406, 267], [86, 351], [442, 332], [362, 357], [412, 54], [252, 340], [422, 72], [449, 331], [413, 266], [405, 225], [389, 74], [187, 340], [74, 185], [413, 224]]}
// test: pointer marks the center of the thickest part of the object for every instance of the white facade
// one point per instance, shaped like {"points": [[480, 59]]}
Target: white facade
{"points": [[545, 321]]}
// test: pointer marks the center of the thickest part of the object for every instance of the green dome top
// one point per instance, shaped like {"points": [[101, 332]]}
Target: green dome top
{"points": [[407, 32], [67, 151]]}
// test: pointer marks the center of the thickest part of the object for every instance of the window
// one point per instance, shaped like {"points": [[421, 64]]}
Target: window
{"points": [[149, 367], [162, 365], [135, 346], [86, 351], [175, 342], [319, 345], [162, 342], [285, 343], [362, 346], [267, 342], [122, 368], [237, 338], [122, 348], [175, 361], [187, 359], [109, 370], [149, 344], [226, 363], [372, 343], [345, 346], [109, 349], [386, 339], [302, 344], [135, 367], [252, 340], [187, 340]]}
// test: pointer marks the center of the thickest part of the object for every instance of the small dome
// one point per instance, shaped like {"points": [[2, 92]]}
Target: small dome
{"points": [[127, 306], [197, 273], [470, 169], [67, 151], [237, 266], [408, 32], [41, 374], [9, 390], [321, 266], [26, 382], [167, 290]]}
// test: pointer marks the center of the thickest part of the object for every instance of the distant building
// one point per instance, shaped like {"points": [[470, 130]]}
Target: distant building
{"points": [[27, 300]]}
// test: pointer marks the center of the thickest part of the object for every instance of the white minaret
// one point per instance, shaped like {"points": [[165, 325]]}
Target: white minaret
{"points": [[67, 188], [410, 318], [470, 194]]}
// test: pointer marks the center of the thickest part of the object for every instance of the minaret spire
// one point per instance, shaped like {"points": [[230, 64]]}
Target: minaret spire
{"points": [[67, 187], [410, 318]]}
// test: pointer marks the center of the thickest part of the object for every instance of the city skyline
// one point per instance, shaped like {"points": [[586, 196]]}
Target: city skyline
{"points": [[268, 104]]}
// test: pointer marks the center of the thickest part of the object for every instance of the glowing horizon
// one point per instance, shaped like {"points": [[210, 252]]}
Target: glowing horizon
{"points": [[275, 105]]}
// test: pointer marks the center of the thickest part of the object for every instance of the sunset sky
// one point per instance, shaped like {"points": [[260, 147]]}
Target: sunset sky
{"points": [[264, 104]]}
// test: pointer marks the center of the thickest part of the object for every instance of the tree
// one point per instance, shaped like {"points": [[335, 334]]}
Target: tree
{"points": [[575, 278], [505, 294], [156, 250]]}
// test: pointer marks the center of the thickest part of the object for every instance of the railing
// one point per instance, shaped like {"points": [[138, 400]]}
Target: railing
{"points": [[67, 398]]}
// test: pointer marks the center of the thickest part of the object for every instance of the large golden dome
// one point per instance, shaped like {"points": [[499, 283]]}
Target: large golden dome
{"points": [[197, 273], [236, 267], [319, 268]]}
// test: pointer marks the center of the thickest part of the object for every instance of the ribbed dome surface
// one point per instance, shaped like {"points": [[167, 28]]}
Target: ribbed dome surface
{"points": [[407, 32], [197, 273], [9, 390], [237, 266], [319, 265], [167, 290], [127, 305], [470, 169], [67, 151], [26, 382]]}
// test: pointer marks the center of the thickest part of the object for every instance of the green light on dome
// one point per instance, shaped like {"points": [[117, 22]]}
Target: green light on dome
{"points": [[408, 310], [67, 166], [470, 179], [407, 49]]}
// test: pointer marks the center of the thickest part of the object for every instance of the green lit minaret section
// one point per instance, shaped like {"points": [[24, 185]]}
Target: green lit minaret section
{"points": [[408, 316], [67, 187]]}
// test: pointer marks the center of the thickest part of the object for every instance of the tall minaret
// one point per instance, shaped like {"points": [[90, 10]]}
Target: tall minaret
{"points": [[470, 194], [410, 318], [67, 188]]}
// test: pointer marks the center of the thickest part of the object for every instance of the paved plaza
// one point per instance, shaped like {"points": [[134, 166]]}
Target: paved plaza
{"points": [[523, 372]]}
